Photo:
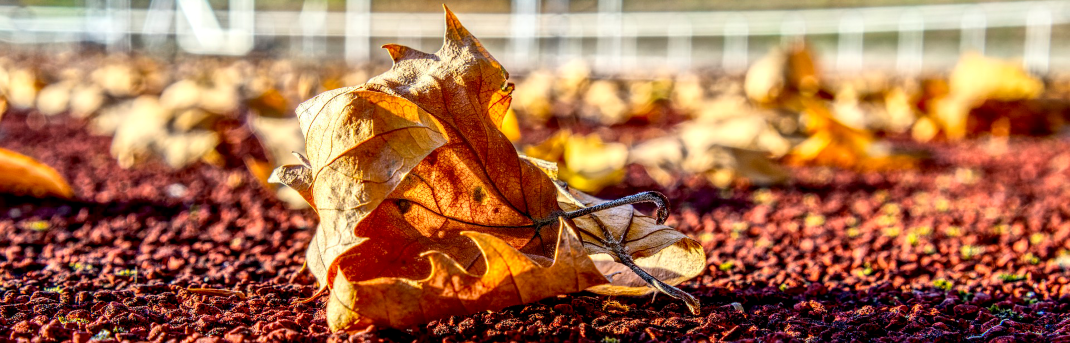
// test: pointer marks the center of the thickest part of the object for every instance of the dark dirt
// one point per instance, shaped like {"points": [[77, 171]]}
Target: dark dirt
{"points": [[973, 247]]}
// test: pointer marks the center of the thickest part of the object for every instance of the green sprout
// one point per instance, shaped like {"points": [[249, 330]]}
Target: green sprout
{"points": [[942, 204], [867, 269], [912, 239], [65, 320], [726, 266], [814, 220], [1036, 238], [1031, 259], [38, 225], [1004, 313], [1011, 277], [762, 196], [943, 284], [80, 267], [968, 252], [127, 273]]}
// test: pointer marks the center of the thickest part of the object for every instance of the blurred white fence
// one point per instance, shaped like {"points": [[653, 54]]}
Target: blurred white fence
{"points": [[533, 37]]}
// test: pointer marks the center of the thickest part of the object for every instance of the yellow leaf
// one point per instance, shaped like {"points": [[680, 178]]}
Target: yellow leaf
{"points": [[585, 162]]}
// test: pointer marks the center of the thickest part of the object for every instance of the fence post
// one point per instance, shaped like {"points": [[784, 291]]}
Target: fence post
{"points": [[118, 15], [609, 38], [313, 19], [358, 31], [679, 45], [911, 43], [849, 42], [974, 25], [525, 46], [1038, 40], [734, 53], [158, 20]]}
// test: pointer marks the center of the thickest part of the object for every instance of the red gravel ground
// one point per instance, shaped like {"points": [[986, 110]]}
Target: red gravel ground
{"points": [[973, 247]]}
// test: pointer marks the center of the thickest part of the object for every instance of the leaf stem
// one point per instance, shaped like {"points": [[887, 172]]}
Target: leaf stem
{"points": [[657, 198], [691, 302]]}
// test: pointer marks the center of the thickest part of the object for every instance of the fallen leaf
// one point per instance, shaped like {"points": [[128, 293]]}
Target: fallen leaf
{"points": [[534, 96], [585, 162], [145, 129], [411, 162], [282, 139], [667, 158], [22, 87], [86, 100], [603, 103], [687, 93], [642, 255], [55, 98], [449, 289], [764, 81], [975, 80], [835, 144], [22, 175]]}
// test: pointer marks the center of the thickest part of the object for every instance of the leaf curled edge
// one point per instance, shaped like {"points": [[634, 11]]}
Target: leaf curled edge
{"points": [[361, 144], [512, 278], [667, 254]]}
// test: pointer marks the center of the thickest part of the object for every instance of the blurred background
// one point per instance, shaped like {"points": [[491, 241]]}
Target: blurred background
{"points": [[905, 36]]}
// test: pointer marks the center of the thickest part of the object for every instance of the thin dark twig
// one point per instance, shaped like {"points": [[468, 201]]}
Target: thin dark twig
{"points": [[692, 303], [657, 198]]}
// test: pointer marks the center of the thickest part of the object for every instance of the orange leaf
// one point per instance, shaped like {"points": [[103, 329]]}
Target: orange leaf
{"points": [[23, 175], [411, 163], [511, 279]]}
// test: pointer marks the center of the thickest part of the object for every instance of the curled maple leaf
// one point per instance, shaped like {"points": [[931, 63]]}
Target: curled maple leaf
{"points": [[411, 167], [413, 161]]}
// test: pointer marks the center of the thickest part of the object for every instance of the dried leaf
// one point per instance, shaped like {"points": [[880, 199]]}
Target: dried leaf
{"points": [[55, 98], [22, 86], [603, 103], [22, 175], [667, 157], [282, 139], [512, 278], [623, 233], [145, 129], [974, 80], [833, 143], [413, 163], [361, 145], [584, 162]]}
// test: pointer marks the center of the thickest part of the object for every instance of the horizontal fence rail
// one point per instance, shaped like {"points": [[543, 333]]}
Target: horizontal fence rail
{"points": [[533, 38]]}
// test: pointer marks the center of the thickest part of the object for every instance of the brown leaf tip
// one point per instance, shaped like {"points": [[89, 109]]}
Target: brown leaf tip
{"points": [[400, 52], [456, 34]]}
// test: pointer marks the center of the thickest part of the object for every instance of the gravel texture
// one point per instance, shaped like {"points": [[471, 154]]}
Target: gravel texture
{"points": [[974, 247]]}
